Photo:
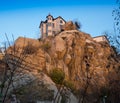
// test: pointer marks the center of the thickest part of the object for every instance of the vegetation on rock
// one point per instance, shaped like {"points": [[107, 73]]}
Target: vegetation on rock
{"points": [[46, 46], [30, 49], [57, 75]]}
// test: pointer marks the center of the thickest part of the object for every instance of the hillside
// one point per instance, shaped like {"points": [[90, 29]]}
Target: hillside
{"points": [[91, 68]]}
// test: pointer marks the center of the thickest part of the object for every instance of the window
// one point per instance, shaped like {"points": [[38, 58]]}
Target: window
{"points": [[42, 30], [53, 25], [61, 21], [61, 26], [49, 31], [49, 18], [53, 32], [49, 24]]}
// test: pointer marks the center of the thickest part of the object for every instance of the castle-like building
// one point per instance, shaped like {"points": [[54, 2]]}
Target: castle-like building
{"points": [[51, 26]]}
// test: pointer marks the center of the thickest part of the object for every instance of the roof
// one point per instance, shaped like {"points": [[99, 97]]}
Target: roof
{"points": [[42, 22], [60, 17], [100, 36], [49, 15], [53, 19]]}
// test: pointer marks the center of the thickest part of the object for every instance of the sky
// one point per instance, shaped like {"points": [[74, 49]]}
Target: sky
{"points": [[22, 17]]}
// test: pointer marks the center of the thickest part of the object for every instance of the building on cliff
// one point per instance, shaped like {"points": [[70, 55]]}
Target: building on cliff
{"points": [[101, 38], [51, 26]]}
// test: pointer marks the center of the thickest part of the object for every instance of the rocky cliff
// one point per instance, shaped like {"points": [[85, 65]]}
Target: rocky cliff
{"points": [[88, 64]]}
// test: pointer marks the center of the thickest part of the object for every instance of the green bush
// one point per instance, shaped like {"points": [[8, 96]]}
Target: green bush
{"points": [[69, 84], [57, 75], [46, 46]]}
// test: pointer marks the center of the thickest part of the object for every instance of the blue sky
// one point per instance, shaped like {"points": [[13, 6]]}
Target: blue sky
{"points": [[22, 17]]}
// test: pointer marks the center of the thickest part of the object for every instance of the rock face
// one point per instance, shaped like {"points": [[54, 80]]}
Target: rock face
{"points": [[22, 42], [84, 61], [60, 47], [74, 51], [69, 26], [29, 49]]}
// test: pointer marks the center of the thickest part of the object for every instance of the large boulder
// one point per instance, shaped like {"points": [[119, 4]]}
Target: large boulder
{"points": [[23, 42], [69, 26], [60, 47]]}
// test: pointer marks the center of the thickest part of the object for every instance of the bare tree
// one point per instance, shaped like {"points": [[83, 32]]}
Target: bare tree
{"points": [[114, 39], [11, 65]]}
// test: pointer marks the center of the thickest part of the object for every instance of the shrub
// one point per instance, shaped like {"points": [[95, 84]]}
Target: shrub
{"points": [[46, 46], [69, 26], [69, 84], [39, 70], [77, 24], [57, 75], [30, 49]]}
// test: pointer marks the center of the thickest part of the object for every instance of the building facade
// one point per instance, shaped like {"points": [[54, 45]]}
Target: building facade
{"points": [[101, 38], [51, 26]]}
